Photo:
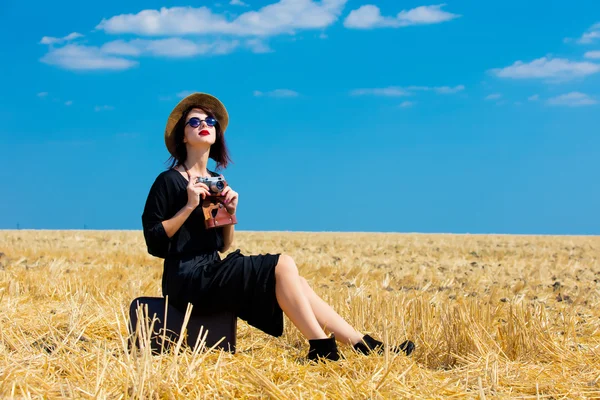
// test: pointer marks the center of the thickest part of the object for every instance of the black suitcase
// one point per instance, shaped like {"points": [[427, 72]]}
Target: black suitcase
{"points": [[214, 327]]}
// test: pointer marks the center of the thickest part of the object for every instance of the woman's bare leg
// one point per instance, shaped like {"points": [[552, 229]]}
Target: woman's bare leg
{"points": [[293, 301], [329, 319]]}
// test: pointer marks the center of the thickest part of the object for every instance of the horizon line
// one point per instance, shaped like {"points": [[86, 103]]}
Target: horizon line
{"points": [[322, 231]]}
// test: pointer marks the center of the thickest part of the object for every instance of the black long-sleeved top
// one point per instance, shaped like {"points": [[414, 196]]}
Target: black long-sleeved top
{"points": [[168, 195]]}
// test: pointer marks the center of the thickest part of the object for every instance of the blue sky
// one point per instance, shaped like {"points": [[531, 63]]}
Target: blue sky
{"points": [[403, 116]]}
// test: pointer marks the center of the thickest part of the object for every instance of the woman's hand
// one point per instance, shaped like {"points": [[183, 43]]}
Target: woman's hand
{"points": [[230, 199], [195, 191]]}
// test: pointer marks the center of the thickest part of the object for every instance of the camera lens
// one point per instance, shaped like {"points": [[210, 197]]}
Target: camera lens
{"points": [[220, 185]]}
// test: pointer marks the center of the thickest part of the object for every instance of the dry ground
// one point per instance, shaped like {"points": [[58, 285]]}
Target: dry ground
{"points": [[491, 316]]}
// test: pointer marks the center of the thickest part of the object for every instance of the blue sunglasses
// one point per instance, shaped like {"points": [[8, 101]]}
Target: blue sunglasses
{"points": [[195, 122]]}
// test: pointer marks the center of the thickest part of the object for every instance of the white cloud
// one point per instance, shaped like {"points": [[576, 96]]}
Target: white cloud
{"points": [[176, 47], [103, 108], [557, 69], [535, 97], [42, 94], [493, 96], [258, 46], [397, 91], [592, 54], [166, 21], [170, 47], [277, 93], [78, 57], [449, 90], [406, 104], [438, 89], [121, 48], [591, 35], [115, 55], [392, 91], [573, 99], [53, 40], [280, 17], [369, 16], [285, 16]]}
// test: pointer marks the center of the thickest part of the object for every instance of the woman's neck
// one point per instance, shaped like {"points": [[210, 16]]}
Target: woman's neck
{"points": [[197, 161]]}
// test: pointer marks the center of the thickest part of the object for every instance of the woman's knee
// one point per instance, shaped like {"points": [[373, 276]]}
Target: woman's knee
{"points": [[286, 266]]}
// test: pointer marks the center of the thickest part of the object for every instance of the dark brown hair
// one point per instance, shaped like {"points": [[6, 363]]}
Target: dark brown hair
{"points": [[218, 151]]}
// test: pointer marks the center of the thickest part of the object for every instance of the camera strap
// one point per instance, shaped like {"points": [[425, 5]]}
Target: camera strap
{"points": [[187, 171]]}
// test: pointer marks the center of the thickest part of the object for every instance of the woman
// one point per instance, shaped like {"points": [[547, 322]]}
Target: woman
{"points": [[260, 288]]}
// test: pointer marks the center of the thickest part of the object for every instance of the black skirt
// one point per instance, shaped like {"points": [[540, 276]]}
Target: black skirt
{"points": [[241, 283]]}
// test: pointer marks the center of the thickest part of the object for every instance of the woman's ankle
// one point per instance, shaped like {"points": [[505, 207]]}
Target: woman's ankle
{"points": [[357, 338], [318, 337]]}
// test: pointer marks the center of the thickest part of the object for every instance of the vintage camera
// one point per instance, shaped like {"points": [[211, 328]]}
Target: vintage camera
{"points": [[215, 213], [215, 184]]}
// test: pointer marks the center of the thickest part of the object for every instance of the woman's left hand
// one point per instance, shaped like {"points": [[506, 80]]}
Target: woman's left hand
{"points": [[230, 199]]}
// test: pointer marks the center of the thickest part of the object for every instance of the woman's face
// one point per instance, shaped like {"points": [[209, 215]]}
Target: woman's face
{"points": [[198, 132]]}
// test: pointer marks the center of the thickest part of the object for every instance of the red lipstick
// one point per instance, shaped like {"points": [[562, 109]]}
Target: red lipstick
{"points": [[204, 132]]}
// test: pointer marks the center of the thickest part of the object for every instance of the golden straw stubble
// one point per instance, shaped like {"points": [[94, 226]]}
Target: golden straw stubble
{"points": [[491, 315]]}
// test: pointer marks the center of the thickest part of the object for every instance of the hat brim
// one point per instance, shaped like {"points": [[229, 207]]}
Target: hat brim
{"points": [[194, 99]]}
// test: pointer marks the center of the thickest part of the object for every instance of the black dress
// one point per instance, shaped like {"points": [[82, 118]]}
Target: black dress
{"points": [[193, 270]]}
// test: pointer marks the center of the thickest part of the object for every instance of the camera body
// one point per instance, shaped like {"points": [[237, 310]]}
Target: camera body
{"points": [[215, 213], [215, 184]]}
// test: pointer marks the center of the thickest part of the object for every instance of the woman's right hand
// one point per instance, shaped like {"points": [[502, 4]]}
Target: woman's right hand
{"points": [[195, 191]]}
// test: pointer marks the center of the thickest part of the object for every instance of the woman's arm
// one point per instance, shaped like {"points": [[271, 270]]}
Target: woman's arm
{"points": [[158, 230], [155, 210], [230, 200], [173, 224], [195, 190]]}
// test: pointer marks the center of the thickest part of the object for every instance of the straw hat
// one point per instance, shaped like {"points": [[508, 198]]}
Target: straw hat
{"points": [[194, 99]]}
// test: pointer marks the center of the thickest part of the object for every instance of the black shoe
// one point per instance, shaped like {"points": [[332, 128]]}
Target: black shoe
{"points": [[367, 345], [323, 349]]}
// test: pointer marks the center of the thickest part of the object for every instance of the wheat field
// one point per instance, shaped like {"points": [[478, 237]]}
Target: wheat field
{"points": [[492, 316]]}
